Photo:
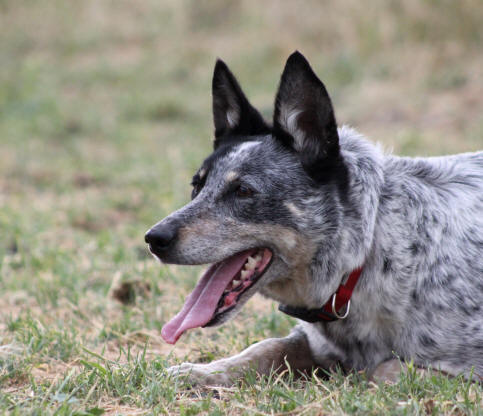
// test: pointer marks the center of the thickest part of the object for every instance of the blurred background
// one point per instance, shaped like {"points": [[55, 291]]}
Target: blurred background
{"points": [[105, 113]]}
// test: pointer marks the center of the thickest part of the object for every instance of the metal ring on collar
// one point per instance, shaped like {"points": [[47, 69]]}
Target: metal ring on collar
{"points": [[334, 311]]}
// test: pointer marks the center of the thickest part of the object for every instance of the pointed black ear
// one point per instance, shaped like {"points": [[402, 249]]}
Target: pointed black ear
{"points": [[304, 118], [233, 115]]}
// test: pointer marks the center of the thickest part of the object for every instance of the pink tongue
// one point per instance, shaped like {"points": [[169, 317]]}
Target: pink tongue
{"points": [[201, 304]]}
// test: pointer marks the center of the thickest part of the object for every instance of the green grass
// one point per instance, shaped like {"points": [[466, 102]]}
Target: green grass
{"points": [[105, 114]]}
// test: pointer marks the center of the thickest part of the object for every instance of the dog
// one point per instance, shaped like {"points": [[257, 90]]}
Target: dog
{"points": [[380, 257]]}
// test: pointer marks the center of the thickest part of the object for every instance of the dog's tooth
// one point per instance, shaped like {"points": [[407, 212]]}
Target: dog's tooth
{"points": [[244, 274], [251, 263], [236, 283], [258, 258]]}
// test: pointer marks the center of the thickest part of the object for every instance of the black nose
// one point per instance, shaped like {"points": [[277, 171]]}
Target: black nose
{"points": [[160, 237]]}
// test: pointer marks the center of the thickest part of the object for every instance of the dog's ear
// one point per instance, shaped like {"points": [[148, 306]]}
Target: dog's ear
{"points": [[233, 115], [304, 118]]}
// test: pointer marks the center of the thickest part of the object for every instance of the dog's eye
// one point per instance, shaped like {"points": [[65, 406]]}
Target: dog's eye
{"points": [[197, 183], [196, 190], [244, 191]]}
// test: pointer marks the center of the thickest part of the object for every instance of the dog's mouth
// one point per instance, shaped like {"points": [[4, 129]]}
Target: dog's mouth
{"points": [[221, 288]]}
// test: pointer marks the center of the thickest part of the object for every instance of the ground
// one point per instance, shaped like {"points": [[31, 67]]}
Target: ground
{"points": [[104, 116]]}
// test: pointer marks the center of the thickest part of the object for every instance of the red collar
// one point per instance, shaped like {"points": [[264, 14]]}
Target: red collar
{"points": [[332, 310]]}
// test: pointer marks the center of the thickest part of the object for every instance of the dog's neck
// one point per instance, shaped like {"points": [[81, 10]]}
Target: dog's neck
{"points": [[350, 245]]}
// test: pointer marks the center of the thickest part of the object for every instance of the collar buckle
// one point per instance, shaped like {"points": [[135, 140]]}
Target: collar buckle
{"points": [[334, 310]]}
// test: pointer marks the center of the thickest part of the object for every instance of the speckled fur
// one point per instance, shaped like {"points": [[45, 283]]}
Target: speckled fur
{"points": [[415, 224]]}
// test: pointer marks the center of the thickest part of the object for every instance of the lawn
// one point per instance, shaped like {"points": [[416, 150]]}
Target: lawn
{"points": [[105, 113]]}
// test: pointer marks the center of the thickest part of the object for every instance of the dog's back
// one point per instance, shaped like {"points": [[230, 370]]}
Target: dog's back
{"points": [[429, 246]]}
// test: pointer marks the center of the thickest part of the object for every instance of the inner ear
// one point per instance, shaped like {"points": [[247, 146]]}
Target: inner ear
{"points": [[304, 117], [233, 115]]}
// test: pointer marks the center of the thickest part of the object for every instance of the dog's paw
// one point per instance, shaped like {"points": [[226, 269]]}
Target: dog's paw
{"points": [[201, 374]]}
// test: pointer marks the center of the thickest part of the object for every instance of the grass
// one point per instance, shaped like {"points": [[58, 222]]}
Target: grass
{"points": [[105, 114]]}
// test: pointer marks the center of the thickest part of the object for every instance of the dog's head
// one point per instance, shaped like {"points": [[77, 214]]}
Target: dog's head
{"points": [[262, 202]]}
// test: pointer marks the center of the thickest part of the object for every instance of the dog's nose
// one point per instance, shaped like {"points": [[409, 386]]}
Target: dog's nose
{"points": [[160, 237]]}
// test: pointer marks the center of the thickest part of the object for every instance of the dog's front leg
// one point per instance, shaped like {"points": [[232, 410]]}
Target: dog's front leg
{"points": [[272, 353]]}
